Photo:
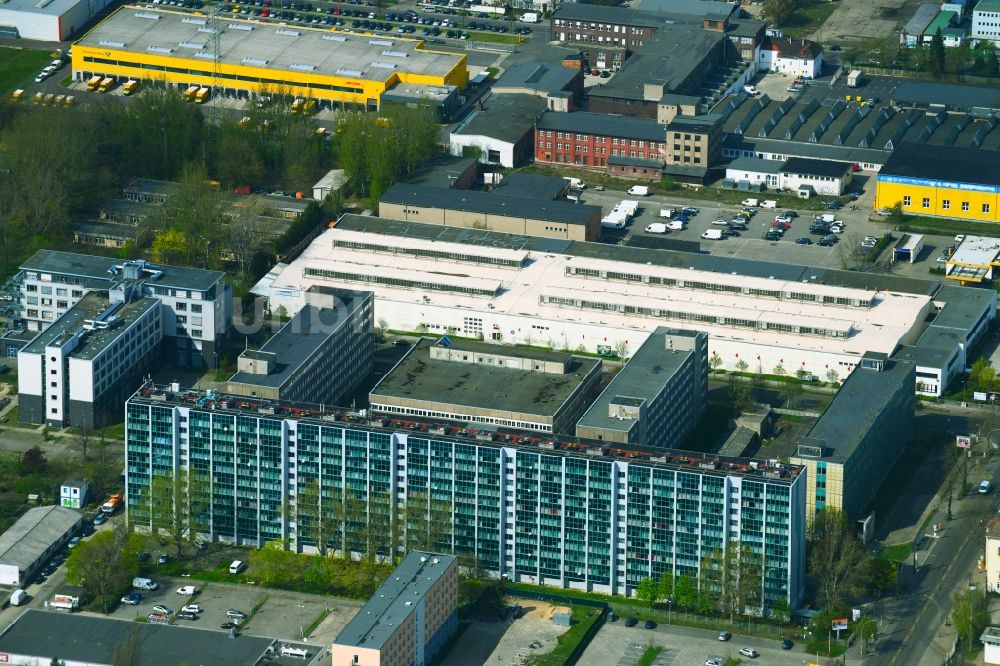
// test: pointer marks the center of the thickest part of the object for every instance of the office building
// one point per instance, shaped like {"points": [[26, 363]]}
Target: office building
{"points": [[535, 507], [463, 380], [196, 304], [40, 637], [319, 356], [47, 21], [658, 396], [33, 539], [79, 371], [694, 145], [851, 448], [567, 295], [946, 181], [986, 21], [408, 620], [491, 211], [327, 66], [799, 175], [501, 128]]}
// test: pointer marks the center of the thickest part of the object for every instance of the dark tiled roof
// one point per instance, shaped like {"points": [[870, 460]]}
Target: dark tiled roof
{"points": [[938, 162], [602, 124]]}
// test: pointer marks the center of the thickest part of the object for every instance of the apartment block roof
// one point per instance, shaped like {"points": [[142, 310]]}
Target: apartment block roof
{"points": [[33, 534], [603, 124], [395, 600], [490, 203], [93, 267]]}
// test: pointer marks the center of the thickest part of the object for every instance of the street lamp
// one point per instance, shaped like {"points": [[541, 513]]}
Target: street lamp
{"points": [[861, 630]]}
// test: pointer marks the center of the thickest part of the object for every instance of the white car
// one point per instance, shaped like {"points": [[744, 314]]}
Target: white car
{"points": [[191, 608], [749, 652], [713, 661], [959, 238], [162, 610], [187, 590], [720, 222]]}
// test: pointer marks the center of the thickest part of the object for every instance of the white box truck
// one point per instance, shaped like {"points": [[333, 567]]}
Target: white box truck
{"points": [[656, 228], [854, 78], [770, 203], [712, 234], [639, 191], [18, 597], [530, 17], [628, 206]]}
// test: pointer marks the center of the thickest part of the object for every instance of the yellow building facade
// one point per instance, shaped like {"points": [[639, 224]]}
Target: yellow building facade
{"points": [[256, 57], [943, 181]]}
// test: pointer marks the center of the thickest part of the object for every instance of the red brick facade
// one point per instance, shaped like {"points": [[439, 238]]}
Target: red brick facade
{"points": [[590, 150]]}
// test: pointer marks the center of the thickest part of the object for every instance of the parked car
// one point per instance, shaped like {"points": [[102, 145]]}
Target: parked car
{"points": [[191, 608], [228, 625], [805, 240], [187, 590], [187, 616], [132, 599], [787, 644], [72, 542], [631, 622], [724, 636], [163, 558], [650, 624], [142, 557], [163, 610], [238, 615], [749, 652]]}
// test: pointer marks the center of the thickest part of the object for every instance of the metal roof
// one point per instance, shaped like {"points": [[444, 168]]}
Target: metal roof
{"points": [[33, 534], [945, 165], [490, 203], [96, 268], [959, 97], [539, 76], [603, 124], [503, 117]]}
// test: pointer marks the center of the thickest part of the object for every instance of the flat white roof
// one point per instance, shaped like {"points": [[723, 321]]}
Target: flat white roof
{"points": [[976, 251], [392, 243], [891, 317], [51, 8], [267, 46]]}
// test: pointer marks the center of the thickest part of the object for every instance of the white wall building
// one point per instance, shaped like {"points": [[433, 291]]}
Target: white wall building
{"points": [[73, 493], [568, 302], [794, 57], [986, 21], [823, 177], [53, 21]]}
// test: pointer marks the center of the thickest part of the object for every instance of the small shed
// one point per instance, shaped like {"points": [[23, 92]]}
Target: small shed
{"points": [[562, 615], [908, 248], [73, 493], [330, 183]]}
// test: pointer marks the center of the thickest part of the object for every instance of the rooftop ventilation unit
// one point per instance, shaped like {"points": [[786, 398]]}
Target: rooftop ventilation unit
{"points": [[194, 21], [302, 67], [210, 31], [381, 42], [287, 33], [395, 54], [334, 38], [43, 4], [240, 26], [165, 50], [254, 61], [350, 72], [191, 45], [108, 42], [205, 54], [147, 15], [383, 65]]}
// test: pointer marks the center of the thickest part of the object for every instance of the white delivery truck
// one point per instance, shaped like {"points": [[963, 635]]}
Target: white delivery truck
{"points": [[575, 183], [750, 202], [854, 78], [639, 191], [18, 597], [667, 212], [770, 203], [614, 220], [712, 234], [530, 17], [656, 228], [826, 217], [628, 206]]}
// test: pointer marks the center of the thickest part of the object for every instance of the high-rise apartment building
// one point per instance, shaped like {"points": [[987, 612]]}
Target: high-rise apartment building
{"points": [[534, 507]]}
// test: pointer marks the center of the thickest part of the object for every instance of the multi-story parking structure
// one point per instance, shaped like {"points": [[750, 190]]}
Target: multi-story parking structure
{"points": [[538, 508]]}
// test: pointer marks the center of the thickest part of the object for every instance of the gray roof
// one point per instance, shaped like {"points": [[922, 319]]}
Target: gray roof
{"points": [[301, 337], [532, 186], [603, 124], [811, 167], [90, 639], [395, 600], [698, 8], [643, 377], [926, 357], [27, 540], [937, 162], [921, 18], [756, 165], [92, 342], [819, 151], [738, 442], [490, 203], [116, 231], [964, 306], [504, 117], [744, 28], [442, 170], [93, 267], [988, 6], [540, 76], [56, 8], [656, 257], [703, 123], [859, 402], [687, 11], [672, 55], [419, 377], [962, 97]]}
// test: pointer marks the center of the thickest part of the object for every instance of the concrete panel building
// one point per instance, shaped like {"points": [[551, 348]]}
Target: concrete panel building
{"points": [[534, 507], [861, 435], [658, 396], [462, 380], [986, 21], [408, 619], [80, 370], [33, 539], [330, 67], [319, 356], [491, 211]]}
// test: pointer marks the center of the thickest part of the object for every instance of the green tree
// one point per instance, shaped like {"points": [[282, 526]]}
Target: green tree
{"points": [[665, 586], [982, 376], [970, 615], [836, 559], [881, 574], [647, 590], [686, 592], [742, 365], [169, 247], [238, 158], [105, 564], [779, 12], [936, 55], [715, 361], [741, 395], [274, 563], [169, 508]]}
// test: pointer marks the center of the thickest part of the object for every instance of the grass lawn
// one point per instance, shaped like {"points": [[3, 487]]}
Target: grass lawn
{"points": [[650, 655], [898, 553], [19, 66], [494, 37], [810, 15], [583, 619]]}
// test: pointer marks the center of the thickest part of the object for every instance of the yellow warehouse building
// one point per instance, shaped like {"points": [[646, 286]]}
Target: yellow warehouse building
{"points": [[939, 180], [331, 67]]}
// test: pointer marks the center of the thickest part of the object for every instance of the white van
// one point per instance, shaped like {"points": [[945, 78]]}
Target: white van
{"points": [[639, 191], [770, 203], [829, 218], [656, 228], [236, 567], [530, 17], [749, 202], [573, 197], [144, 584], [676, 225], [18, 597], [751, 90], [712, 234], [575, 182], [985, 487]]}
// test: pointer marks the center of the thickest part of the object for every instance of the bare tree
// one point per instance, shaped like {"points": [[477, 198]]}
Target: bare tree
{"points": [[836, 558]]}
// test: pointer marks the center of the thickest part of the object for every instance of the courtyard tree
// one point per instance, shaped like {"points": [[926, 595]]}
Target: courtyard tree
{"points": [[105, 564], [836, 559], [970, 614]]}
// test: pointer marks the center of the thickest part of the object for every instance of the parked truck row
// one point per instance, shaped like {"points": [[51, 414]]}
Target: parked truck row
{"points": [[620, 214]]}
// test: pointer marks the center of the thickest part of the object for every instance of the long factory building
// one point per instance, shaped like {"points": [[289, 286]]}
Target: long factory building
{"points": [[259, 57]]}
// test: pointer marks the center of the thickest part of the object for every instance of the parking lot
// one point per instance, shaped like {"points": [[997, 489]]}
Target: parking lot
{"points": [[682, 646], [283, 615]]}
